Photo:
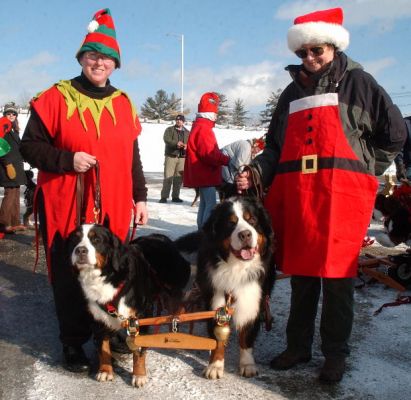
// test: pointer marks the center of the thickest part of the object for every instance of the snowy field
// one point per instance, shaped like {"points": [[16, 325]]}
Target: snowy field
{"points": [[379, 366]]}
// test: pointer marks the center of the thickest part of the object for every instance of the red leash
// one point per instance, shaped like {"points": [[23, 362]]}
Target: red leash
{"points": [[400, 300]]}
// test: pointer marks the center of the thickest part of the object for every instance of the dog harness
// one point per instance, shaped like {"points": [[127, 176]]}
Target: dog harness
{"points": [[322, 197]]}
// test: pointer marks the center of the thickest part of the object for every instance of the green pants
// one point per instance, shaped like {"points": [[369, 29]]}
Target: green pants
{"points": [[173, 176], [336, 315]]}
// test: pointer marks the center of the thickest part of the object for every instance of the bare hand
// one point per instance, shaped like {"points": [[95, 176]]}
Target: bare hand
{"points": [[140, 213], [243, 181], [83, 161]]}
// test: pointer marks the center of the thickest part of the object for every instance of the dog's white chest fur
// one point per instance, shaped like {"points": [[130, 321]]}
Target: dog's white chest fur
{"points": [[240, 279]]}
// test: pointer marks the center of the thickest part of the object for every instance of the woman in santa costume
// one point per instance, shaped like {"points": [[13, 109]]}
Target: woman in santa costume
{"points": [[334, 128], [79, 127]]}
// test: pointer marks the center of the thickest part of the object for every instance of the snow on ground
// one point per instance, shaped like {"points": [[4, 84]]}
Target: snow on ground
{"points": [[378, 368]]}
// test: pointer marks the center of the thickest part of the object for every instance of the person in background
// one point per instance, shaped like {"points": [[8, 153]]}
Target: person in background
{"points": [[80, 129], [12, 174], [403, 159], [333, 129], [175, 139], [204, 159], [241, 152]]}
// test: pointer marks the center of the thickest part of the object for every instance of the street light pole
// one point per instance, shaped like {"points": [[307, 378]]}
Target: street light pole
{"points": [[181, 37], [182, 74]]}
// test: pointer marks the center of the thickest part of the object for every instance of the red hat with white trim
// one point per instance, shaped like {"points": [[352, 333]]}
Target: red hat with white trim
{"points": [[319, 27], [208, 103], [101, 37]]}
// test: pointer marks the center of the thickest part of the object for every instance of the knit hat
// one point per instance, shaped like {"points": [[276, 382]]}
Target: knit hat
{"points": [[101, 37], [180, 117], [10, 107], [319, 27], [208, 103]]}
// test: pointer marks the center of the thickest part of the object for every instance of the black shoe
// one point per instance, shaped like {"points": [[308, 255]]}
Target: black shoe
{"points": [[333, 370], [176, 200], [288, 359], [162, 200], [74, 359]]}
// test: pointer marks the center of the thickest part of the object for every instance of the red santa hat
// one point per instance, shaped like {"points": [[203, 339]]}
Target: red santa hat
{"points": [[101, 37], [319, 27], [208, 103]]}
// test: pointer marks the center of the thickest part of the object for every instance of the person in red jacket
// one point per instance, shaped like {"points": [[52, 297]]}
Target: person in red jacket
{"points": [[72, 125], [204, 160]]}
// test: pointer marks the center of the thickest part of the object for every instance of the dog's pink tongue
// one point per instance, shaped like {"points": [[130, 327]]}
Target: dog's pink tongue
{"points": [[247, 254]]}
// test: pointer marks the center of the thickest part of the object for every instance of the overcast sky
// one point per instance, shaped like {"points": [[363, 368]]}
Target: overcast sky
{"points": [[236, 47]]}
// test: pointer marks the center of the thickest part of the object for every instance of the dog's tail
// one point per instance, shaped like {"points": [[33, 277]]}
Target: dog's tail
{"points": [[190, 242]]}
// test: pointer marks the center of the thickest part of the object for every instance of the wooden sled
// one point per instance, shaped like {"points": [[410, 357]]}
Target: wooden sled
{"points": [[175, 339], [367, 264]]}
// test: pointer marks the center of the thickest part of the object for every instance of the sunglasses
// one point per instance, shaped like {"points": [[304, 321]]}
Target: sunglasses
{"points": [[315, 51], [11, 113]]}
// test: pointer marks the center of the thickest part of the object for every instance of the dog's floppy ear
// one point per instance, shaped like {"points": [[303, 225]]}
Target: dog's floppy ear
{"points": [[117, 254]]}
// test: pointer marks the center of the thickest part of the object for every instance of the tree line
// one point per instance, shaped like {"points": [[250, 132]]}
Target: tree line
{"points": [[166, 107]]}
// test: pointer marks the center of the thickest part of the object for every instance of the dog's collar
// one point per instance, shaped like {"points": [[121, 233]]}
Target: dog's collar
{"points": [[109, 306]]}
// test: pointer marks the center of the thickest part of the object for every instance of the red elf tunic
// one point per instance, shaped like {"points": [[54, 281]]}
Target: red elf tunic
{"points": [[105, 128], [322, 197]]}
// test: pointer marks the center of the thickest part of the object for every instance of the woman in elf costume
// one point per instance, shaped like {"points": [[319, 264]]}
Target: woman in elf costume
{"points": [[74, 125], [334, 128]]}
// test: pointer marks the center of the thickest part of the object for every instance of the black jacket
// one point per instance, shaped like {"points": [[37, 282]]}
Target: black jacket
{"points": [[13, 157], [373, 125]]}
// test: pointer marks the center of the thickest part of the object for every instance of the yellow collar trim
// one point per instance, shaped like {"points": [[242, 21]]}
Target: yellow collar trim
{"points": [[78, 101]]}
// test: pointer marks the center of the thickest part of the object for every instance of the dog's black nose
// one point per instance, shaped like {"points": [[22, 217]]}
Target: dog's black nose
{"points": [[81, 251], [245, 235]]}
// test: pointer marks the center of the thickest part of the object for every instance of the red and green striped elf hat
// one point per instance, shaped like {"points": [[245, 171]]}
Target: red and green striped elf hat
{"points": [[101, 37]]}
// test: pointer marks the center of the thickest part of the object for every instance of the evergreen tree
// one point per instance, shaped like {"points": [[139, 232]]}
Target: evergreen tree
{"points": [[162, 106], [270, 106], [223, 115], [238, 116]]}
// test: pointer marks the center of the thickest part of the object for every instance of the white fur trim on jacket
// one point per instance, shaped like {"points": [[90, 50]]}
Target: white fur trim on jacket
{"points": [[317, 33], [212, 116]]}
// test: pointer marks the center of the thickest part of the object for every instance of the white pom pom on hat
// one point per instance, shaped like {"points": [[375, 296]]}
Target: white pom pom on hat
{"points": [[92, 26], [319, 27]]}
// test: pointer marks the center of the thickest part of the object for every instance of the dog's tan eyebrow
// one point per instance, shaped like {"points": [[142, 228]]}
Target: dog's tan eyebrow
{"points": [[233, 218]]}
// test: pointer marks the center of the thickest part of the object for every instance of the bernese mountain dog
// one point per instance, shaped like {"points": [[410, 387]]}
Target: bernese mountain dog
{"points": [[235, 261], [122, 282]]}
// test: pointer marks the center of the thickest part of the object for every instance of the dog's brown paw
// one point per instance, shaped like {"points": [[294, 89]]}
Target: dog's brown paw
{"points": [[139, 380], [215, 370], [105, 376]]}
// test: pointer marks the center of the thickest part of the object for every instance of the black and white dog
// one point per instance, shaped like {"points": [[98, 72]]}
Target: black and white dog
{"points": [[122, 281], [235, 259]]}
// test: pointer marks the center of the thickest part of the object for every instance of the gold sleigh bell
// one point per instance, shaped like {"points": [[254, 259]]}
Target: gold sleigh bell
{"points": [[222, 329]]}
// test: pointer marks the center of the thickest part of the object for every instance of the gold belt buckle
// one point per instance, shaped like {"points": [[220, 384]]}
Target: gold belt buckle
{"points": [[309, 164]]}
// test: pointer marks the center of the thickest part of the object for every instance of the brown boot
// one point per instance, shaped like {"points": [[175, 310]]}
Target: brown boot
{"points": [[288, 359], [332, 370]]}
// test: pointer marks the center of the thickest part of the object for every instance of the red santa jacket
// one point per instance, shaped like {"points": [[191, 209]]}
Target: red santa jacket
{"points": [[204, 159]]}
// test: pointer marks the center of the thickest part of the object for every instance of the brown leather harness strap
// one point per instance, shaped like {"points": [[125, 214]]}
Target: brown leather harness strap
{"points": [[80, 211]]}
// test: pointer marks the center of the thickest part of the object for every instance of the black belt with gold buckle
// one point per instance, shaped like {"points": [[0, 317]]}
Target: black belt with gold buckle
{"points": [[310, 164]]}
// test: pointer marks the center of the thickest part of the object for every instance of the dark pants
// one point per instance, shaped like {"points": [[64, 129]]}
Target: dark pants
{"points": [[75, 321], [10, 207], [336, 315]]}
